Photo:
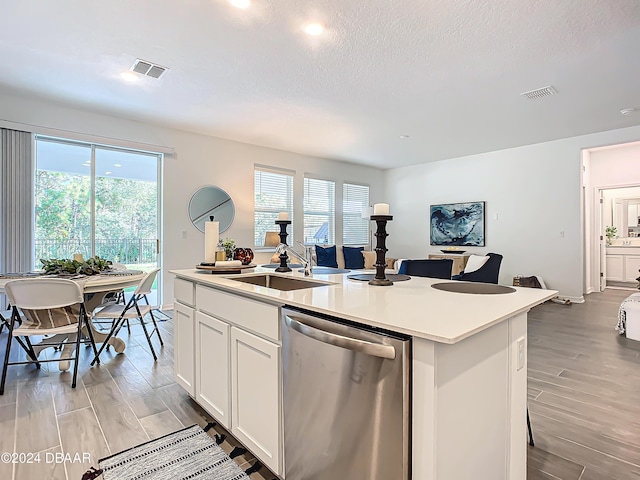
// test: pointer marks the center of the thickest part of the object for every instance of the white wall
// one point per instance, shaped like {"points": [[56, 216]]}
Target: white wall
{"points": [[534, 190], [199, 160]]}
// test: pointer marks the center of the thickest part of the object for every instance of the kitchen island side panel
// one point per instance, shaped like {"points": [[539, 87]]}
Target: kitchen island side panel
{"points": [[469, 406]]}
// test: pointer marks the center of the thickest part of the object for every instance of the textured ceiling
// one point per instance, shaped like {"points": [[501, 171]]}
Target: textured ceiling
{"points": [[448, 73]]}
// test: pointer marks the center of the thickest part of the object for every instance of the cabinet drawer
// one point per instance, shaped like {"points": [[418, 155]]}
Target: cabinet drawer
{"points": [[258, 317], [183, 291]]}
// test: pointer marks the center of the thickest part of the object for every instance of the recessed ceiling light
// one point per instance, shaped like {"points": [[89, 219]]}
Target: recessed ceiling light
{"points": [[108, 173], [314, 28], [129, 76], [117, 165], [404, 136], [627, 111], [240, 3]]}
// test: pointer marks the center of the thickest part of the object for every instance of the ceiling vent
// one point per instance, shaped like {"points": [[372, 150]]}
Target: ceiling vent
{"points": [[147, 68], [539, 93]]}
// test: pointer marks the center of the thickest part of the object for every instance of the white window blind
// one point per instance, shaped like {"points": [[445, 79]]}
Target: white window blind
{"points": [[273, 194], [319, 211], [355, 201]]}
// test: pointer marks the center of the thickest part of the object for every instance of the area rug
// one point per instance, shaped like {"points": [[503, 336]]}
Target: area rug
{"points": [[189, 453]]}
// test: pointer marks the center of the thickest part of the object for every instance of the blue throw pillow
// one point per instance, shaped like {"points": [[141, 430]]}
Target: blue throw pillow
{"points": [[353, 258], [326, 257]]}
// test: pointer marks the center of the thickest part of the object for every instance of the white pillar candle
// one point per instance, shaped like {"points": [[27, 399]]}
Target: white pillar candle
{"points": [[283, 216], [211, 238], [381, 209]]}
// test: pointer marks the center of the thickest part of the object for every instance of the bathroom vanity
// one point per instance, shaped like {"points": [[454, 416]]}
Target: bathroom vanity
{"points": [[623, 262], [466, 364]]}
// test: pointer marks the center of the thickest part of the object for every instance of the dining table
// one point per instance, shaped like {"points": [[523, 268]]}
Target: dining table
{"points": [[95, 288]]}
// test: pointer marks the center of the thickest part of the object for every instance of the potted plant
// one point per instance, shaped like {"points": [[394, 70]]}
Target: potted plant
{"points": [[229, 245], [610, 232]]}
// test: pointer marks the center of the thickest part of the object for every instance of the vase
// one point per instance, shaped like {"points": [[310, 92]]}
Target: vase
{"points": [[245, 255]]}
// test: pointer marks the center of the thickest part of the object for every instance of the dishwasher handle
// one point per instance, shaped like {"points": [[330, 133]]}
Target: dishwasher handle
{"points": [[362, 346]]}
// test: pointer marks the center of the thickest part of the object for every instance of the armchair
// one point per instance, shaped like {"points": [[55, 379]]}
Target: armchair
{"points": [[487, 273]]}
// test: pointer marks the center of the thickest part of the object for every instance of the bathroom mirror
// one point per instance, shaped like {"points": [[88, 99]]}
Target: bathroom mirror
{"points": [[209, 201]]}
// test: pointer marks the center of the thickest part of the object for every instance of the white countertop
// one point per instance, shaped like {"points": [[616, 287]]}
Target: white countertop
{"points": [[411, 307]]}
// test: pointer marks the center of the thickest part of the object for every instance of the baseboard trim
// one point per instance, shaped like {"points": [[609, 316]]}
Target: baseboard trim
{"points": [[167, 306], [579, 299]]}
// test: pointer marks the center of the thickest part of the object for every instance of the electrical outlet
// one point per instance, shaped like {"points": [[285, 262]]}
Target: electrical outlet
{"points": [[184, 234], [520, 345], [561, 233]]}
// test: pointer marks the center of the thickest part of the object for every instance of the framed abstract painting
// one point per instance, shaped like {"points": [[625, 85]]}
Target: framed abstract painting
{"points": [[457, 224]]}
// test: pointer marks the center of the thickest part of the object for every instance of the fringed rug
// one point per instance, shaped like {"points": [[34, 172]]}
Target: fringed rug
{"points": [[189, 453]]}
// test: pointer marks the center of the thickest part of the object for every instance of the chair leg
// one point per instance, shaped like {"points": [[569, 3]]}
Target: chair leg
{"points": [[32, 352], [114, 329], [155, 325], [93, 342], [155, 328], [529, 427], [77, 356], [5, 365], [146, 333]]}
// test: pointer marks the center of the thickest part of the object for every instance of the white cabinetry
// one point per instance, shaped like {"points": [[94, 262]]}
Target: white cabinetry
{"points": [[615, 268], [255, 407], [623, 263], [227, 356], [183, 338], [212, 367], [631, 267], [632, 216], [183, 334]]}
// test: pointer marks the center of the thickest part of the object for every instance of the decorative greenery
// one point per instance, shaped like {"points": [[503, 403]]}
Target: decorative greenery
{"points": [[611, 232], [91, 266], [229, 245]]}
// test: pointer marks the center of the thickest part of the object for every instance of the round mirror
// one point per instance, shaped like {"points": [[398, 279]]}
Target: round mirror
{"points": [[211, 201]]}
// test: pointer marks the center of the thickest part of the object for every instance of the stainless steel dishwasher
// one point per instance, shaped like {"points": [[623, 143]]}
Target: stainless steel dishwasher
{"points": [[346, 400]]}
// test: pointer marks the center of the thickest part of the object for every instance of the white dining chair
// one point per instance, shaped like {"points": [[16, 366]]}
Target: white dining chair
{"points": [[49, 306], [131, 310]]}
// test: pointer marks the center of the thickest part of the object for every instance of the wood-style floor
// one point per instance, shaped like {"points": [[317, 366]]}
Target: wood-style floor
{"points": [[584, 401], [584, 392], [126, 401]]}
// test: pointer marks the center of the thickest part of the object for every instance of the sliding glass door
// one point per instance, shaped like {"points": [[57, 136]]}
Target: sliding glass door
{"points": [[97, 200]]}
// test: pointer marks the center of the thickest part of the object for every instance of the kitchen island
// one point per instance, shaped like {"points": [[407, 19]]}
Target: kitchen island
{"points": [[468, 363]]}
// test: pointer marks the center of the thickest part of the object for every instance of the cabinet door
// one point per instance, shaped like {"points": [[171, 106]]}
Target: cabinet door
{"points": [[631, 267], [632, 216], [183, 350], [256, 400], [212, 367], [615, 268]]}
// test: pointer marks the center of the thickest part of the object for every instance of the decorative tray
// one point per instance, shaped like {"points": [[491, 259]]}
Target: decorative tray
{"points": [[235, 269], [453, 251]]}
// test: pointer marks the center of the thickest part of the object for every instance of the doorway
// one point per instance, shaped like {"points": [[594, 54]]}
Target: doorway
{"points": [[98, 200], [619, 220]]}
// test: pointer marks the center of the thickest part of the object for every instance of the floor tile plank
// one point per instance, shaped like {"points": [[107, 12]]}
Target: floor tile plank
{"points": [[160, 424], [120, 425], [82, 439]]}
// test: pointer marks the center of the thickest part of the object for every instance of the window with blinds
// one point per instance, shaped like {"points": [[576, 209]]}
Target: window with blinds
{"points": [[273, 193], [319, 211], [355, 202]]}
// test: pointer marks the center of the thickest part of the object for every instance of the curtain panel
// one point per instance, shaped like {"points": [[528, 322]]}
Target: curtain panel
{"points": [[16, 202]]}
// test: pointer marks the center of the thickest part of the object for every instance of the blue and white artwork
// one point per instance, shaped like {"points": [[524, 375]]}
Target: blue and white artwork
{"points": [[458, 224]]}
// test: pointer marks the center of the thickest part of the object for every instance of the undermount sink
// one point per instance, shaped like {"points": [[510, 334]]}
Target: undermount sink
{"points": [[276, 265], [473, 287], [326, 270], [279, 283]]}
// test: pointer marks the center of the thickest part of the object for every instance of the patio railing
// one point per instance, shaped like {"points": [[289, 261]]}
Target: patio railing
{"points": [[119, 250]]}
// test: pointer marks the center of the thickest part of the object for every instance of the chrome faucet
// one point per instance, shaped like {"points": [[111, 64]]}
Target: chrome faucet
{"points": [[284, 248]]}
